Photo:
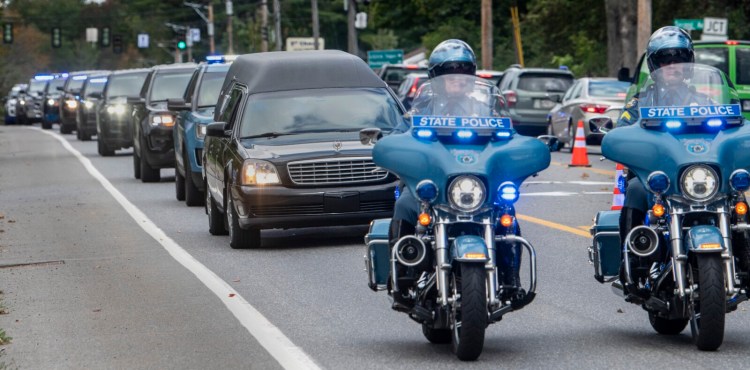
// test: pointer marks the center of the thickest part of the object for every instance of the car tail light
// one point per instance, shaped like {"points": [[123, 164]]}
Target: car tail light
{"points": [[484, 75], [413, 89], [594, 108], [732, 42], [511, 98], [412, 66]]}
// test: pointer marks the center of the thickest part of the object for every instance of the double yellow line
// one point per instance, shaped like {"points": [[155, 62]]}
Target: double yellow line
{"points": [[554, 225]]}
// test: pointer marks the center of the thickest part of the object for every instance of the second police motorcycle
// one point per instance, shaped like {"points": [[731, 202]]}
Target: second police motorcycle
{"points": [[464, 167], [688, 262]]}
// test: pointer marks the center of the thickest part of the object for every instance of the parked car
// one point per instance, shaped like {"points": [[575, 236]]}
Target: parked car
{"points": [[71, 99], [11, 102], [285, 152], [490, 75], [732, 57], [409, 87], [194, 112], [52, 99], [394, 74], [153, 143], [529, 95], [586, 99], [91, 93], [114, 129]]}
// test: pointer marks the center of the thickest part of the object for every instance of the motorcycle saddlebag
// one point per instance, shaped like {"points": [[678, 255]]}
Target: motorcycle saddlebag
{"points": [[605, 253], [377, 254]]}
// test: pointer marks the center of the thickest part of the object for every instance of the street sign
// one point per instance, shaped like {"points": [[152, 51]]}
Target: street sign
{"points": [[376, 58], [142, 40], [92, 34], [304, 43], [715, 26], [195, 34], [689, 24]]}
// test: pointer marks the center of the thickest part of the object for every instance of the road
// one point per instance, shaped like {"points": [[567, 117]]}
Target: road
{"points": [[103, 271]]}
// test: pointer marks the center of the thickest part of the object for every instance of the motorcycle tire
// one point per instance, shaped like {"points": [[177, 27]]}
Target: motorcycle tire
{"points": [[469, 319], [666, 326], [708, 313]]}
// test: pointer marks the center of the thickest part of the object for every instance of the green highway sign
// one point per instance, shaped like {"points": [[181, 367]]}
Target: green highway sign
{"points": [[689, 24], [376, 58]]}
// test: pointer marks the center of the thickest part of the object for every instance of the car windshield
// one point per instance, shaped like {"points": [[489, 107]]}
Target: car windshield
{"points": [[169, 85], [54, 84], [36, 85], [210, 88], [125, 85], [686, 85], [75, 84], [542, 82], [608, 89], [743, 66], [320, 110], [457, 95], [715, 57], [95, 86]]}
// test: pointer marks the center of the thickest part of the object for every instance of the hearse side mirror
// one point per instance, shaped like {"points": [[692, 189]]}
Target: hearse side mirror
{"points": [[60, 88], [177, 104], [624, 75], [370, 136], [95, 95], [217, 129]]}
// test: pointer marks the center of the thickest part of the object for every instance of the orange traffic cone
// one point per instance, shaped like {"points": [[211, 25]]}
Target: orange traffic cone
{"points": [[618, 198], [580, 156]]}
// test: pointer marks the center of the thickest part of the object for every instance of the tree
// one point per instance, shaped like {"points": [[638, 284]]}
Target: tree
{"points": [[621, 35]]}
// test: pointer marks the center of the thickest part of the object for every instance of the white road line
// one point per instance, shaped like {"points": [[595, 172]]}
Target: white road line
{"points": [[269, 336], [563, 193], [593, 183]]}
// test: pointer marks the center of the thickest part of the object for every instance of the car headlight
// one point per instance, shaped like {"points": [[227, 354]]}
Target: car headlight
{"points": [[71, 104], [162, 120], [22, 102], [657, 182], [51, 102], [699, 182], [200, 132], [88, 104], [466, 193], [256, 172], [118, 109]]}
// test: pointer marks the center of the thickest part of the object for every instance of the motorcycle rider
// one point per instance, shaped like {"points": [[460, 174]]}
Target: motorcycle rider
{"points": [[670, 49], [450, 96]]}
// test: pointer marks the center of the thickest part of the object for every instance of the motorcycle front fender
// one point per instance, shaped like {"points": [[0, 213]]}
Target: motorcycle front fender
{"points": [[469, 248], [704, 239]]}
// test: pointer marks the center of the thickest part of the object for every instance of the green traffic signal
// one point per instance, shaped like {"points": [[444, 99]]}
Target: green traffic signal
{"points": [[181, 45]]}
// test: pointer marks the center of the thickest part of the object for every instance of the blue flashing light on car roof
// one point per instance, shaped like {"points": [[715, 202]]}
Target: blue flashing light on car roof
{"points": [[79, 78], [43, 77], [211, 59], [100, 80]]}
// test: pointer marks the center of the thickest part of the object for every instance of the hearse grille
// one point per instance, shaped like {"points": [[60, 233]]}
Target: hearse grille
{"points": [[335, 171]]}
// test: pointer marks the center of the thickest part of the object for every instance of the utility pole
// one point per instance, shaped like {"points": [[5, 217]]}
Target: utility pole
{"points": [[277, 23], [230, 12], [352, 34], [644, 25], [487, 34], [517, 33], [315, 25], [209, 20], [264, 25]]}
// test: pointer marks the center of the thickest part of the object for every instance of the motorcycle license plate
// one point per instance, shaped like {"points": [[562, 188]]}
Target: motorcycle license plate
{"points": [[543, 103]]}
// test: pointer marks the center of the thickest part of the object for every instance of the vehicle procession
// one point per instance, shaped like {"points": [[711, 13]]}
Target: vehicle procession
{"points": [[334, 210]]}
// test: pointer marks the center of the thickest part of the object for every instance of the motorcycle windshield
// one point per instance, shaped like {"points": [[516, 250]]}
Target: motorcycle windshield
{"points": [[687, 114], [459, 127]]}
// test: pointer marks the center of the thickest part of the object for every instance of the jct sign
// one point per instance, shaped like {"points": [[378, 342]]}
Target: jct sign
{"points": [[715, 26]]}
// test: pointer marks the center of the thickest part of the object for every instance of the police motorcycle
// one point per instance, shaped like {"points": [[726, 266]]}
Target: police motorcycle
{"points": [[465, 171], [689, 260]]}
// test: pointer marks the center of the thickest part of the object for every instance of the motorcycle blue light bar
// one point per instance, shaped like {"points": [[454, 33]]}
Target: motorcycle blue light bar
{"points": [[465, 134], [726, 110], [715, 122], [424, 133], [673, 124], [740, 180]]}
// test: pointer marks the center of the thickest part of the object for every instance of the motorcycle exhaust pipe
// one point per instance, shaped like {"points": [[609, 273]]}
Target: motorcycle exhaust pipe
{"points": [[642, 241], [410, 251]]}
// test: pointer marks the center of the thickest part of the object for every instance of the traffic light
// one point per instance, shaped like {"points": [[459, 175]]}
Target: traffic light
{"points": [[181, 44], [7, 33], [56, 37], [105, 37], [117, 44]]}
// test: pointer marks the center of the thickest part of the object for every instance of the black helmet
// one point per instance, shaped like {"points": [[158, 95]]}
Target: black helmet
{"points": [[669, 44], [452, 56]]}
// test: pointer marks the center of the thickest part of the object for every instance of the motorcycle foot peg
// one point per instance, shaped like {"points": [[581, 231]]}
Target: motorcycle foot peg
{"points": [[423, 314]]}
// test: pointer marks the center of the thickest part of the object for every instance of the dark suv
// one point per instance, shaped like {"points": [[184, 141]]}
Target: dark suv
{"points": [[71, 98], [113, 128], [51, 100], [530, 94], [394, 74], [153, 143], [91, 94]]}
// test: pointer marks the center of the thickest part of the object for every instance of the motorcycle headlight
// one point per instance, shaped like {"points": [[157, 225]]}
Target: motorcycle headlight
{"points": [[658, 182], [427, 191], [699, 182], [162, 120], [466, 193], [200, 132], [256, 172], [740, 180]]}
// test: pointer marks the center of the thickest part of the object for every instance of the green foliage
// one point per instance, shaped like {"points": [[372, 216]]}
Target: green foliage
{"points": [[384, 39]]}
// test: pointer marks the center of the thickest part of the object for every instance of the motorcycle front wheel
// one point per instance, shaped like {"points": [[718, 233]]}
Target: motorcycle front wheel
{"points": [[469, 311], [708, 306]]}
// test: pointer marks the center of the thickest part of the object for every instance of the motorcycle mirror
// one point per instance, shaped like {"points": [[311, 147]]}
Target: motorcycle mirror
{"points": [[552, 142], [370, 136], [602, 123]]}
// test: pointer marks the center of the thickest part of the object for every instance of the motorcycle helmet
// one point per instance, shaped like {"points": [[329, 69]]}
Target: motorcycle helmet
{"points": [[669, 44], [452, 56]]}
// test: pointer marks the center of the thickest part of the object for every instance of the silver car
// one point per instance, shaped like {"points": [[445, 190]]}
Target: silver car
{"points": [[588, 98]]}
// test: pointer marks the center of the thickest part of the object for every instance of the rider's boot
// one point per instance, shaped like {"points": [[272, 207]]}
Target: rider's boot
{"points": [[398, 229]]}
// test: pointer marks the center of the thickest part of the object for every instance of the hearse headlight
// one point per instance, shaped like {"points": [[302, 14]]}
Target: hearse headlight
{"points": [[118, 109], [71, 104], [255, 172], [466, 193], [699, 182]]}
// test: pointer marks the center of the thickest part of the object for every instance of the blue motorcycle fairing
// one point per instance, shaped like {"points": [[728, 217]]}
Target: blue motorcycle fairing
{"points": [[644, 151], [468, 244], [414, 160], [704, 239]]}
